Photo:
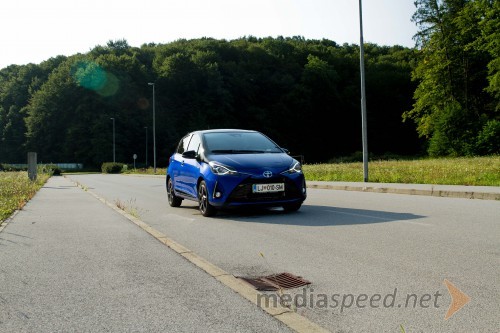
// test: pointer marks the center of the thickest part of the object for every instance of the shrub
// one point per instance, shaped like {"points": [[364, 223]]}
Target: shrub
{"points": [[488, 141], [112, 167], [8, 167], [50, 169]]}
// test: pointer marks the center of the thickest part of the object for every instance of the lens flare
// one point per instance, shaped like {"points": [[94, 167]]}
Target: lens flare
{"points": [[143, 103], [91, 76], [110, 87]]}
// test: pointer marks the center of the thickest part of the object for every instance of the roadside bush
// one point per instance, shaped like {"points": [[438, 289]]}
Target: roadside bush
{"points": [[8, 167], [112, 167], [488, 141], [52, 169]]}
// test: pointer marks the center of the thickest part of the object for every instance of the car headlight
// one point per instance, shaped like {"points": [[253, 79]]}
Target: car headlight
{"points": [[221, 170], [294, 168]]}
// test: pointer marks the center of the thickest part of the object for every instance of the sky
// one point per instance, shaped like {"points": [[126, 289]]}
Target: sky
{"points": [[32, 31]]}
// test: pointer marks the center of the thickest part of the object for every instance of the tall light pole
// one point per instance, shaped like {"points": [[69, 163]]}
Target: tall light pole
{"points": [[363, 95], [154, 128], [146, 146], [114, 151]]}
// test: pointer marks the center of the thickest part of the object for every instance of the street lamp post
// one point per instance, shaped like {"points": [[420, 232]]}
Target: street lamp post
{"points": [[154, 128], [363, 95], [146, 146], [114, 151]]}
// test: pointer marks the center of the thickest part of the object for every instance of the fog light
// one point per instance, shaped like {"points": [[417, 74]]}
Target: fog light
{"points": [[218, 194]]}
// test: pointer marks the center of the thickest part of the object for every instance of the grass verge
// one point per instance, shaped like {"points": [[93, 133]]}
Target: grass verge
{"points": [[148, 171], [478, 171], [16, 190]]}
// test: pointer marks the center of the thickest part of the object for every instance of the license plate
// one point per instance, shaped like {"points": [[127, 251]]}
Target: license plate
{"points": [[268, 188]]}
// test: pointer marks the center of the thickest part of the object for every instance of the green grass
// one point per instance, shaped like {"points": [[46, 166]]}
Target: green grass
{"points": [[16, 189], [149, 171], [446, 171]]}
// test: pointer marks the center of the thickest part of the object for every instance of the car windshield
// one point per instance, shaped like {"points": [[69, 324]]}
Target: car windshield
{"points": [[239, 143]]}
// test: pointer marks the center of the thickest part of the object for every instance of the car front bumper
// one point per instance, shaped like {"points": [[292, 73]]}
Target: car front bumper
{"points": [[236, 190]]}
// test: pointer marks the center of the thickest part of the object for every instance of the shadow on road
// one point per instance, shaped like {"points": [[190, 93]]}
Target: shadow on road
{"points": [[310, 215]]}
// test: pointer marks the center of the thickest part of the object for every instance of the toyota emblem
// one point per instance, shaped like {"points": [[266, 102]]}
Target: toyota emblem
{"points": [[267, 174]]}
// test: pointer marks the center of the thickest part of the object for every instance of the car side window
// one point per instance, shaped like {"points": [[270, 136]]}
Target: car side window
{"points": [[183, 144], [195, 143]]}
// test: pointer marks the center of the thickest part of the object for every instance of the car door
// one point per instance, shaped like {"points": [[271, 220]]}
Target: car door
{"points": [[191, 166], [178, 176]]}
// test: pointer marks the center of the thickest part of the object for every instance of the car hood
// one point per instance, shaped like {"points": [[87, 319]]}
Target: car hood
{"points": [[276, 162]]}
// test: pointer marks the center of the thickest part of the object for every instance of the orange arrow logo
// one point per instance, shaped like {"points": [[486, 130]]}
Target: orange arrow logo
{"points": [[458, 299]]}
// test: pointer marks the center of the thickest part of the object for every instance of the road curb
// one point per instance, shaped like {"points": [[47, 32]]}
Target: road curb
{"points": [[393, 190], [288, 317], [143, 175], [4, 223], [432, 192]]}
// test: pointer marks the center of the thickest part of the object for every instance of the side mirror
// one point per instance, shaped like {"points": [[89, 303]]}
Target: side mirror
{"points": [[191, 154], [286, 151]]}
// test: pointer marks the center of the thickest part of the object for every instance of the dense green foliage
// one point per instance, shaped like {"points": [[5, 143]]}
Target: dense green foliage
{"points": [[302, 93], [305, 94], [458, 97]]}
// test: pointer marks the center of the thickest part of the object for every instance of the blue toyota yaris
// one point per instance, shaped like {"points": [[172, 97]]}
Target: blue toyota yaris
{"points": [[233, 168]]}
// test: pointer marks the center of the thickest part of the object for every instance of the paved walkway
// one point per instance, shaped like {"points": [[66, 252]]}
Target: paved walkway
{"points": [[454, 191], [69, 263]]}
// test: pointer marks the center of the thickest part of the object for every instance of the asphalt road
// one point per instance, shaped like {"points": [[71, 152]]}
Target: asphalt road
{"points": [[376, 261], [69, 263]]}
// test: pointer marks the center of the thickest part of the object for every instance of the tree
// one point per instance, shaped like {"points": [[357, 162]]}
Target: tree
{"points": [[451, 105], [489, 24], [303, 93]]}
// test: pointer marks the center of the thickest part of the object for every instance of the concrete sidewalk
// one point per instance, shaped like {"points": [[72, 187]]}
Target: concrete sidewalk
{"points": [[452, 191], [69, 263]]}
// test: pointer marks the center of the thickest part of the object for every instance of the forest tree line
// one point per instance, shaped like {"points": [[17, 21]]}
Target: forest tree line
{"points": [[440, 98]]}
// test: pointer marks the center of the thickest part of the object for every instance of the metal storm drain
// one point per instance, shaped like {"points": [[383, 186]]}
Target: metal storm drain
{"points": [[276, 281]]}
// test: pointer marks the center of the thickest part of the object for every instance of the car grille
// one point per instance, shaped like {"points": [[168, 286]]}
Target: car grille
{"points": [[243, 192]]}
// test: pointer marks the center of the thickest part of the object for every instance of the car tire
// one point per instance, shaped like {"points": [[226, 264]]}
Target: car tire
{"points": [[206, 209], [173, 200], [293, 207]]}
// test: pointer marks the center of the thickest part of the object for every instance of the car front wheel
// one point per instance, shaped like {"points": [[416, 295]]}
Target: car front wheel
{"points": [[206, 209]]}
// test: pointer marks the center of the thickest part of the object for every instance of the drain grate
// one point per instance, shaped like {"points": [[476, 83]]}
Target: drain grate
{"points": [[276, 281]]}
